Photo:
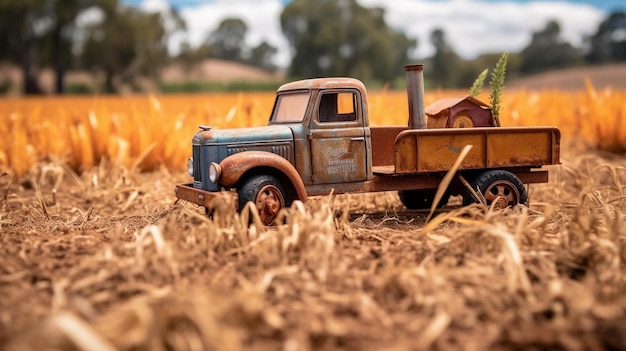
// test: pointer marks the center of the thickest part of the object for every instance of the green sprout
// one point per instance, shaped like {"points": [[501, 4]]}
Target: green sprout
{"points": [[497, 86], [478, 83]]}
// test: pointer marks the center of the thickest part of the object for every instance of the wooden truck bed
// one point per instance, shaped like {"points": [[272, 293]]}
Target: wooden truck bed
{"points": [[398, 150]]}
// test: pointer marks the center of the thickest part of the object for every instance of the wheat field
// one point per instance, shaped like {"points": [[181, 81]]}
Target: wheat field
{"points": [[149, 131], [97, 254]]}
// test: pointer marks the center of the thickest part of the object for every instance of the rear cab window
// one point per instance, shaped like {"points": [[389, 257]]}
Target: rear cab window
{"points": [[337, 107]]}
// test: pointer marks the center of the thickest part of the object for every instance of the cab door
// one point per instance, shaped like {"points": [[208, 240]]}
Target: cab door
{"points": [[337, 138]]}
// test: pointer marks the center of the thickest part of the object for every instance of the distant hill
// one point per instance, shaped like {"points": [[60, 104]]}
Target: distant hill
{"points": [[611, 75], [217, 71], [206, 71], [605, 76]]}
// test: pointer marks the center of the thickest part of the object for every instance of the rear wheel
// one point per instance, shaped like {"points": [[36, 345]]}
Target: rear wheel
{"points": [[266, 193], [501, 187], [421, 199]]}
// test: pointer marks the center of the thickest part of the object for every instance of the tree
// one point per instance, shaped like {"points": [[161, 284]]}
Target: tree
{"points": [[262, 56], [189, 56], [227, 42], [445, 63], [20, 39], [548, 51], [331, 38], [127, 43], [608, 44], [63, 14], [41, 32]]}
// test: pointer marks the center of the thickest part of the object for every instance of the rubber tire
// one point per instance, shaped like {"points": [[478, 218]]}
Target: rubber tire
{"points": [[421, 199], [251, 189], [505, 178]]}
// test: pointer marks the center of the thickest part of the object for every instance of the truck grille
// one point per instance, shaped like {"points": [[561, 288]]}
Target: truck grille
{"points": [[235, 150], [282, 150], [196, 163]]}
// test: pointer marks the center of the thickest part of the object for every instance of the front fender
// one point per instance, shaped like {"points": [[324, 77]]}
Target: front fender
{"points": [[235, 166]]}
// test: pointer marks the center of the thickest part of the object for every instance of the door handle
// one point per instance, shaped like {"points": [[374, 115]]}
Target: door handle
{"points": [[357, 139]]}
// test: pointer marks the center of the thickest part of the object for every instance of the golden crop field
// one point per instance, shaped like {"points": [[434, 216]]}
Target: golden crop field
{"points": [[147, 131], [101, 256]]}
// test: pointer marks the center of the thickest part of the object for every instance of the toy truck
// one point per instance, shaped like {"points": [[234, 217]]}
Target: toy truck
{"points": [[319, 140]]}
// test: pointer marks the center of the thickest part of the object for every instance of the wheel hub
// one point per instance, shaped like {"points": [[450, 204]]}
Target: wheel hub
{"points": [[502, 194], [269, 202]]}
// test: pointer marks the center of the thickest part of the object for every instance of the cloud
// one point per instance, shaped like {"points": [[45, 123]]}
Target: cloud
{"points": [[476, 27], [261, 16], [155, 5], [472, 27]]}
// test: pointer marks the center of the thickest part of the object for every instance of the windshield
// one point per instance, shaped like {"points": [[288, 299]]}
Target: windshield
{"points": [[290, 107]]}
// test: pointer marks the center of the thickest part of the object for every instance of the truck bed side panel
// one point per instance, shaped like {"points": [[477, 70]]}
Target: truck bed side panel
{"points": [[436, 150]]}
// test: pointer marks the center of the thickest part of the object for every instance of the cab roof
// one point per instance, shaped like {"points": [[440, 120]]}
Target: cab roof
{"points": [[323, 83]]}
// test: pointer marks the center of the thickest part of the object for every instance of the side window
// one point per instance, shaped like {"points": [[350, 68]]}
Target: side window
{"points": [[337, 107]]}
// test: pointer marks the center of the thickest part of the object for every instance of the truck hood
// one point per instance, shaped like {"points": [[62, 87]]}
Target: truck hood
{"points": [[273, 133]]}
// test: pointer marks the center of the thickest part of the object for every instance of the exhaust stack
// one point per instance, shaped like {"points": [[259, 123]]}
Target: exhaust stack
{"points": [[415, 95]]}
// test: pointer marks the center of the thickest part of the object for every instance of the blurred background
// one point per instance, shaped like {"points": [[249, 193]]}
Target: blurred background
{"points": [[127, 46]]}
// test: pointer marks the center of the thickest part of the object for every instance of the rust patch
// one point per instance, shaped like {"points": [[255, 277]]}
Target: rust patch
{"points": [[236, 165], [198, 196]]}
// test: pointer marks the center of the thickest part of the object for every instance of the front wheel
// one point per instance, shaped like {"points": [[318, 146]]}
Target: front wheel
{"points": [[498, 187], [266, 193]]}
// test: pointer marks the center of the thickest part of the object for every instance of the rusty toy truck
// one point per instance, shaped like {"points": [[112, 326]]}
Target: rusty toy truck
{"points": [[319, 140]]}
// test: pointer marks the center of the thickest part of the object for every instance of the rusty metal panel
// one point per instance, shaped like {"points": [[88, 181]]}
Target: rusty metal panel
{"points": [[338, 155], [405, 153], [383, 139], [198, 196], [380, 183], [439, 152], [324, 83], [249, 135], [532, 177], [518, 149], [442, 104]]}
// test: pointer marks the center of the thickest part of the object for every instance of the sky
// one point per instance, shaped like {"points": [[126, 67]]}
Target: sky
{"points": [[472, 27]]}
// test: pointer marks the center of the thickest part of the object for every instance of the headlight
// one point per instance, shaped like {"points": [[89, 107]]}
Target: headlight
{"points": [[215, 171], [190, 166]]}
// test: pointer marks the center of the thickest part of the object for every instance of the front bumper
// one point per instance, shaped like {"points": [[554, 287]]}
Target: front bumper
{"points": [[198, 196]]}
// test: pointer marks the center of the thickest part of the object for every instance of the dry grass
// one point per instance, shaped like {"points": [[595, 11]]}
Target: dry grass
{"points": [[108, 261], [97, 255]]}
